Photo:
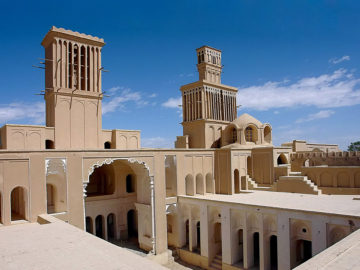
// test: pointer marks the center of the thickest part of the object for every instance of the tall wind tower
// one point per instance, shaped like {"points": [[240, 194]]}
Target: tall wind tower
{"points": [[207, 104], [73, 91]]}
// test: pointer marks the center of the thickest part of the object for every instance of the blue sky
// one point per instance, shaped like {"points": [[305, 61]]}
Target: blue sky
{"points": [[296, 63]]}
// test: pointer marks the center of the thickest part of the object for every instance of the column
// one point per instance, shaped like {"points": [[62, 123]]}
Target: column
{"points": [[183, 107], [63, 64], [66, 63], [79, 67], [91, 67], [187, 107], [99, 69], [86, 68], [318, 234], [264, 246], [191, 233], [204, 230], [95, 70], [226, 235], [72, 66], [248, 244], [105, 228], [283, 245]]}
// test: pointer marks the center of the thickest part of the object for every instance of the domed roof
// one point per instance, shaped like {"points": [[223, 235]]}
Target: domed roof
{"points": [[246, 119]]}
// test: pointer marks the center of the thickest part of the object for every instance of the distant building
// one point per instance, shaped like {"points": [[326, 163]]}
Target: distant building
{"points": [[224, 198]]}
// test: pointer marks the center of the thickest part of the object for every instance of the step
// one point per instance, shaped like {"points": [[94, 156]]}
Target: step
{"points": [[217, 261]]}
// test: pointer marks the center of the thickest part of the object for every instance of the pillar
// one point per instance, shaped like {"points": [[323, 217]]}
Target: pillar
{"points": [[283, 230], [106, 227], [264, 247], [204, 230], [318, 235], [226, 235], [248, 244]]}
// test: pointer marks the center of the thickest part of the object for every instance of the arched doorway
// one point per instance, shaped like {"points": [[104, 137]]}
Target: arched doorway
{"points": [[217, 237], [281, 160], [115, 179], [132, 224], [50, 194], [111, 228], [256, 245], [241, 244], [18, 204], [237, 181], [198, 237], [99, 226], [303, 251], [89, 225], [273, 253]]}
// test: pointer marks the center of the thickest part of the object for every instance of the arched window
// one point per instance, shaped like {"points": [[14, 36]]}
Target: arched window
{"points": [[234, 135], [249, 136], [107, 145], [267, 134], [49, 144], [130, 183]]}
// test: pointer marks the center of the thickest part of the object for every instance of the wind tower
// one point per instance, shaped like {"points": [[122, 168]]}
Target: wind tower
{"points": [[207, 104], [73, 91]]}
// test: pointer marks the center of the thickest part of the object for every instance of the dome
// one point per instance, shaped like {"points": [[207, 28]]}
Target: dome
{"points": [[246, 119]]}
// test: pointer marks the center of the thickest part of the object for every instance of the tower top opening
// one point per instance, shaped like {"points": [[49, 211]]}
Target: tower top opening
{"points": [[62, 33]]}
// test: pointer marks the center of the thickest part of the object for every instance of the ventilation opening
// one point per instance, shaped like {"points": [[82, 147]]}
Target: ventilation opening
{"points": [[49, 144], [107, 145]]}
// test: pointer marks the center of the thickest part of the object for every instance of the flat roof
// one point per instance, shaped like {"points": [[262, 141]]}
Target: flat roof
{"points": [[62, 246], [344, 205]]}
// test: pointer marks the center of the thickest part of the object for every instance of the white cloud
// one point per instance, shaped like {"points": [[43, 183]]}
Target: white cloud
{"points": [[319, 115], [33, 113], [338, 89], [120, 99], [173, 102], [157, 142], [339, 60]]}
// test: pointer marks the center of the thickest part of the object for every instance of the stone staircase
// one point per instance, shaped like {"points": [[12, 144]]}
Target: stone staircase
{"points": [[252, 185], [297, 183], [216, 263]]}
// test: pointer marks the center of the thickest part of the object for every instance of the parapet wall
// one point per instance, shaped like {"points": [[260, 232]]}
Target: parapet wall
{"points": [[307, 159]]}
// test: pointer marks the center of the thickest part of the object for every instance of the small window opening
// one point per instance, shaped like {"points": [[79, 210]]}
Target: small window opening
{"points": [[49, 144], [130, 184], [107, 145]]}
